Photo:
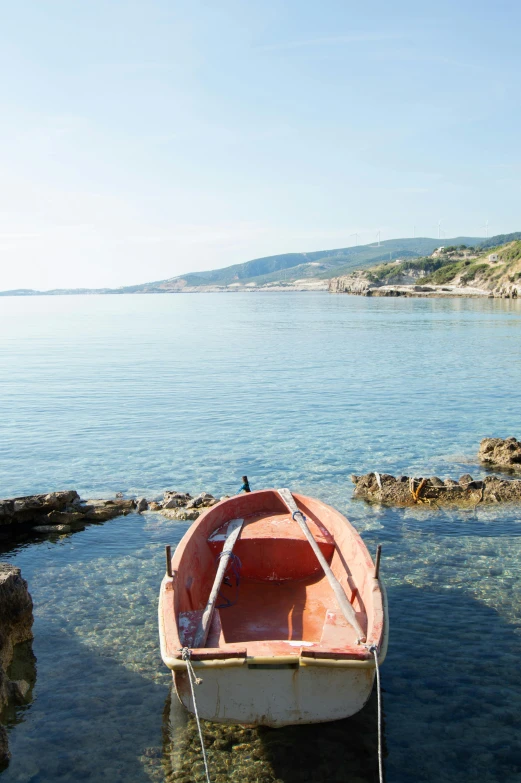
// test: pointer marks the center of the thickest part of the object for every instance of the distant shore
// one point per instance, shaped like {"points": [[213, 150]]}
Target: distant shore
{"points": [[299, 286]]}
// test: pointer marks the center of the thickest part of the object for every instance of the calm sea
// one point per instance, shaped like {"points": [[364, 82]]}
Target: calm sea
{"points": [[138, 394]]}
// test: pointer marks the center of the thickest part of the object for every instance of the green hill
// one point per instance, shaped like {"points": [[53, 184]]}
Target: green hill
{"points": [[493, 267]]}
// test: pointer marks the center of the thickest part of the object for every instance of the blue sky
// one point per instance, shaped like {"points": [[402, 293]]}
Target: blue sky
{"points": [[140, 140]]}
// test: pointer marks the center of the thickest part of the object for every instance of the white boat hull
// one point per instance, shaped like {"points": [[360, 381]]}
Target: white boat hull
{"points": [[271, 696]]}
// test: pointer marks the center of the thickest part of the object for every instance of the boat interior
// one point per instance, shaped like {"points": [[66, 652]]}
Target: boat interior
{"points": [[275, 588]]}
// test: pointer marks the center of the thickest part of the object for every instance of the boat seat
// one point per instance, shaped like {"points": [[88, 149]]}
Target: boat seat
{"points": [[273, 548]]}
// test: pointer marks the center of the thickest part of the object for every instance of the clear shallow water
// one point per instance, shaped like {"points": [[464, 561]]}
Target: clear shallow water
{"points": [[140, 394]]}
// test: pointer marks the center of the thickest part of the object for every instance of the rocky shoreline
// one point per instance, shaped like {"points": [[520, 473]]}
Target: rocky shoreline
{"points": [[359, 285], [499, 453], [405, 491], [65, 512], [57, 512], [16, 613]]}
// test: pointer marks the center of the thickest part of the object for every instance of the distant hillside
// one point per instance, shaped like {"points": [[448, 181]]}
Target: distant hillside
{"points": [[491, 269], [499, 239], [297, 271], [290, 267]]}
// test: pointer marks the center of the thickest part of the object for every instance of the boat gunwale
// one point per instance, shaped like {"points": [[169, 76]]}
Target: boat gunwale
{"points": [[177, 664]]}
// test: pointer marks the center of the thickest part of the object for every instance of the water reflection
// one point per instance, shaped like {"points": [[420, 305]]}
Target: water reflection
{"points": [[342, 751], [92, 718], [22, 673]]}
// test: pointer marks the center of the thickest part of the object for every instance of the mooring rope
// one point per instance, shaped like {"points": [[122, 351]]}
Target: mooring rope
{"points": [[374, 650], [185, 654]]}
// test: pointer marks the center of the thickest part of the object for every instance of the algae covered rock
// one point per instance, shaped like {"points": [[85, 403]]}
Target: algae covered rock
{"points": [[412, 491]]}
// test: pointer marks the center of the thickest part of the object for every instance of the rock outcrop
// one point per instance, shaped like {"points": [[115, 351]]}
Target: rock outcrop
{"points": [[59, 512], [506, 291], [141, 505], [408, 491], [35, 507], [355, 283], [499, 453], [65, 512], [358, 283], [182, 506], [16, 620]]}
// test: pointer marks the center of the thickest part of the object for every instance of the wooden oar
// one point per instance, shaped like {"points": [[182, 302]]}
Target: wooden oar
{"points": [[341, 597], [232, 534]]}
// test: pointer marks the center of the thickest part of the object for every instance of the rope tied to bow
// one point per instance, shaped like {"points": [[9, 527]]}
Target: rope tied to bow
{"points": [[186, 655]]}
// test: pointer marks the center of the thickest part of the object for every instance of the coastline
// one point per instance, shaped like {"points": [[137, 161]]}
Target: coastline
{"points": [[423, 291], [432, 292], [332, 286]]}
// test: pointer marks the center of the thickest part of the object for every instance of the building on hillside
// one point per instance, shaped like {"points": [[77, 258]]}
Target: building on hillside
{"points": [[493, 257]]}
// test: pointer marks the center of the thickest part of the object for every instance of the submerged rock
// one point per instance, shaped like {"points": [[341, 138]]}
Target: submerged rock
{"points": [[102, 510], [4, 749], [410, 491], [19, 691], [501, 453], [182, 514], [74, 519]]}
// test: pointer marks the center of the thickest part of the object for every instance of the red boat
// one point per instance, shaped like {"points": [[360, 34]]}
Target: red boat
{"points": [[300, 615]]}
